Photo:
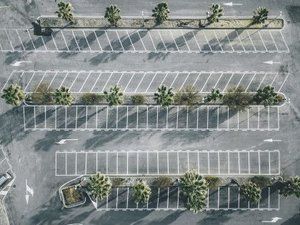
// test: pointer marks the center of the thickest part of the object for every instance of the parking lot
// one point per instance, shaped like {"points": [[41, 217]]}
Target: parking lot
{"points": [[147, 82], [143, 41], [224, 198], [209, 117], [173, 163]]}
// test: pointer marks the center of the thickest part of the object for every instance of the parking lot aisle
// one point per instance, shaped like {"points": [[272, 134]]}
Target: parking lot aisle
{"points": [[131, 163], [79, 117], [144, 82], [145, 41], [223, 198]]}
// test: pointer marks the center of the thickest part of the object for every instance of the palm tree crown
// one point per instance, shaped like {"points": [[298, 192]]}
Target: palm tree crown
{"points": [[13, 95], [216, 13], [213, 96], [260, 15], [141, 192], [65, 11], [99, 186], [114, 96], [164, 96], [62, 96], [251, 192], [161, 12], [112, 14]]}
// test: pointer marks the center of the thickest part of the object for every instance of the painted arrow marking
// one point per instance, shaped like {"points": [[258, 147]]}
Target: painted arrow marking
{"points": [[271, 62], [271, 140], [64, 141], [5, 6], [274, 220], [29, 191], [231, 4], [18, 63]]}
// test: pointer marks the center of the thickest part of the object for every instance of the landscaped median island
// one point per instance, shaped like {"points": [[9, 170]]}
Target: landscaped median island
{"points": [[191, 190], [160, 19], [235, 98]]}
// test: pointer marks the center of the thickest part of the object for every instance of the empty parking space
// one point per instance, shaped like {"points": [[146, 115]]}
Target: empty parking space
{"points": [[221, 163], [132, 82], [143, 41], [77, 117], [223, 198]]}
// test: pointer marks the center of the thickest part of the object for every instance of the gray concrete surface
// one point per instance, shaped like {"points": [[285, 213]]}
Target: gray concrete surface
{"points": [[32, 153]]}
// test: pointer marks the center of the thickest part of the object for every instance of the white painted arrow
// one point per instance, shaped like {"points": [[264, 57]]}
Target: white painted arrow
{"points": [[28, 191], [27, 199], [18, 63], [64, 141], [274, 220], [271, 140], [271, 62], [4, 6], [231, 4], [95, 204]]}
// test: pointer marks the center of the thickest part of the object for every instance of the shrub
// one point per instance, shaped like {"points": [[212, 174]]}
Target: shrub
{"points": [[91, 99], [213, 96], [291, 187], [114, 96], [237, 98], [194, 188], [251, 192], [163, 181], [161, 12], [141, 192], [188, 96], [42, 94], [13, 95], [164, 96], [138, 99], [261, 181], [117, 181], [213, 182], [267, 96], [112, 14]]}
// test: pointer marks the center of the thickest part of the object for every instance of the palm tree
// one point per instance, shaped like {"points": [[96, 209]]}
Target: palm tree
{"points": [[194, 187], [161, 12], [251, 191], [213, 96], [13, 95], [266, 96], [112, 14], [65, 11], [216, 11], [114, 96], [63, 96], [164, 96], [291, 187], [141, 192], [260, 15], [99, 186]]}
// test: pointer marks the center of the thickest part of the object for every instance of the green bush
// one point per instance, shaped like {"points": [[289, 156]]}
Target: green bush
{"points": [[267, 96], [117, 181], [237, 98], [188, 96], [91, 99], [251, 191], [213, 96], [261, 181], [138, 99], [163, 181], [213, 182], [42, 94], [291, 187]]}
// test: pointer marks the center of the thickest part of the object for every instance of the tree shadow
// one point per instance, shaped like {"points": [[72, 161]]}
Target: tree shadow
{"points": [[11, 126], [104, 57], [293, 221], [169, 219]]}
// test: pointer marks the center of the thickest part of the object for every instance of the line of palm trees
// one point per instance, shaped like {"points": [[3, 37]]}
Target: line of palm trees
{"points": [[193, 186], [160, 13]]}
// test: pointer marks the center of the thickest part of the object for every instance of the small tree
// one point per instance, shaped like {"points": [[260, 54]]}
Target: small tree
{"points": [[91, 98], [162, 181], [266, 96], [42, 94], [260, 15], [99, 186], [141, 192], [194, 188], [261, 181], [237, 98], [65, 11], [114, 96], [138, 99], [112, 14], [213, 96], [161, 12], [63, 96], [164, 96], [291, 187], [213, 182], [188, 96], [13, 95], [251, 192], [216, 11]]}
